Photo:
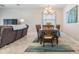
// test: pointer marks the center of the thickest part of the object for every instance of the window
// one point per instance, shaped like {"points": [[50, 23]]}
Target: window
{"points": [[72, 15], [49, 18]]}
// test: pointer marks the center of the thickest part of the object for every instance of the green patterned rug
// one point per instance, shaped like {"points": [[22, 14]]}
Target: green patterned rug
{"points": [[48, 48]]}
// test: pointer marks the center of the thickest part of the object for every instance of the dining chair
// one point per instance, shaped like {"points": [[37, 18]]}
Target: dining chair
{"points": [[48, 26], [58, 27], [38, 27], [47, 37], [51, 27]]}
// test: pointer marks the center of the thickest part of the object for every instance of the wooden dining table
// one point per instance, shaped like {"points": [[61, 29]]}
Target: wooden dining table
{"points": [[55, 31]]}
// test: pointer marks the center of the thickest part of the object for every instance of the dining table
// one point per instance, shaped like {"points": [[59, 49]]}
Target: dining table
{"points": [[55, 31]]}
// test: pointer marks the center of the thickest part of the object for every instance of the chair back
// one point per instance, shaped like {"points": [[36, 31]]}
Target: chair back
{"points": [[47, 33], [38, 27], [48, 27], [58, 27]]}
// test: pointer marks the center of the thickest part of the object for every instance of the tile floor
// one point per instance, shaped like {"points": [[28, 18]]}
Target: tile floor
{"points": [[19, 46]]}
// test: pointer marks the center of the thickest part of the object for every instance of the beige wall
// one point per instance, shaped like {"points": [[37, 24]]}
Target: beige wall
{"points": [[32, 16], [71, 28], [59, 17]]}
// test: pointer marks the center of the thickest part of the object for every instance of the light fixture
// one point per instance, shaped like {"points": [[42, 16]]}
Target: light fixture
{"points": [[22, 20], [48, 10]]}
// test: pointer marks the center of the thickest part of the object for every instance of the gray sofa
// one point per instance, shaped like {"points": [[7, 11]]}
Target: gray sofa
{"points": [[8, 35]]}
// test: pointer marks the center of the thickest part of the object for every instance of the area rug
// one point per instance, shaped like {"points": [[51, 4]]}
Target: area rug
{"points": [[47, 48]]}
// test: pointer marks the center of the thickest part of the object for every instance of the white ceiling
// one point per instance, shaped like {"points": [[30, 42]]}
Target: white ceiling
{"points": [[30, 5]]}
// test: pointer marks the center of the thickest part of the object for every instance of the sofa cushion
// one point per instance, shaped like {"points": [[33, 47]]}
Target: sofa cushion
{"points": [[18, 27], [18, 34]]}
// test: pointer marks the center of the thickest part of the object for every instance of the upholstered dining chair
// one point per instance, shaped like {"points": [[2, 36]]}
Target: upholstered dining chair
{"points": [[58, 27], [48, 26], [47, 37], [38, 27]]}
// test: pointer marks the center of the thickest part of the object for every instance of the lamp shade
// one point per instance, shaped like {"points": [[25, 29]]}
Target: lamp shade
{"points": [[21, 20]]}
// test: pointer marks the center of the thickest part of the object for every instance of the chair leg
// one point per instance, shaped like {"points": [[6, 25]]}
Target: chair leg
{"points": [[52, 42], [57, 41], [43, 44], [40, 41]]}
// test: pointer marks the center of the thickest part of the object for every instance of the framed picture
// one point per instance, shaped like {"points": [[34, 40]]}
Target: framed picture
{"points": [[72, 15]]}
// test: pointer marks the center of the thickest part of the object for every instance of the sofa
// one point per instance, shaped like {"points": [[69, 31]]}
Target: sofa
{"points": [[8, 34]]}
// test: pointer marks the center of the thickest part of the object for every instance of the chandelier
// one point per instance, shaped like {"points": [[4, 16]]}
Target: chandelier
{"points": [[48, 10]]}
